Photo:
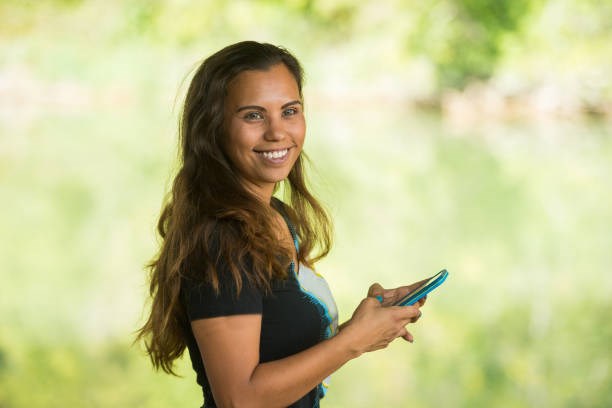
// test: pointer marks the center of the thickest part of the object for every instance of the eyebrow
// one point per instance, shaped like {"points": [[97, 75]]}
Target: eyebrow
{"points": [[261, 108]]}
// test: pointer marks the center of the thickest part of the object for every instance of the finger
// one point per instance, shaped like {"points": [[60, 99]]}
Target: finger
{"points": [[406, 313], [414, 319], [404, 290], [390, 296], [370, 302], [376, 290], [408, 337], [422, 300], [415, 285]]}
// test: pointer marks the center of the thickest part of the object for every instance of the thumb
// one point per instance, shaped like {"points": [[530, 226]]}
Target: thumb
{"points": [[375, 290]]}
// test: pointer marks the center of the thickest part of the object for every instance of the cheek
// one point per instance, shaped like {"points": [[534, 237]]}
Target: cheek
{"points": [[236, 146], [300, 133], [240, 138]]}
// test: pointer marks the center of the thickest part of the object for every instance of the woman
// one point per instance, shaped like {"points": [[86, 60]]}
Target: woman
{"points": [[233, 282]]}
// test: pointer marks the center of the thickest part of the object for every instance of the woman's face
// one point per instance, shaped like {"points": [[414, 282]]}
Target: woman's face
{"points": [[264, 122]]}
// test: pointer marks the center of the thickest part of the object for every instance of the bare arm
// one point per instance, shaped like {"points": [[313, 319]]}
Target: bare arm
{"points": [[230, 350]]}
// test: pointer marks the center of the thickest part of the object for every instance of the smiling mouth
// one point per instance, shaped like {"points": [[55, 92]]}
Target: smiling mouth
{"points": [[273, 154]]}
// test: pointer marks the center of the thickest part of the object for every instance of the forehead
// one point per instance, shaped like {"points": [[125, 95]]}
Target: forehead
{"points": [[276, 82]]}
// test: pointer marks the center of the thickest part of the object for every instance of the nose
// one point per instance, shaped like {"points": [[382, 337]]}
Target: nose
{"points": [[275, 130]]}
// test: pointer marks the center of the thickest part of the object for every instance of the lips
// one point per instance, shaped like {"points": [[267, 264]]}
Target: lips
{"points": [[274, 154]]}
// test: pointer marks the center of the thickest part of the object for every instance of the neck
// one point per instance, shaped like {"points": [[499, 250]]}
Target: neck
{"points": [[262, 193]]}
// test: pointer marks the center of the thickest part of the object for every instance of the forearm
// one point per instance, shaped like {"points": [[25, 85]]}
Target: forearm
{"points": [[343, 325], [230, 352], [282, 382]]}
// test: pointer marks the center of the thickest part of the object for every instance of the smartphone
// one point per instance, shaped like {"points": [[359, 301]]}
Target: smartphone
{"points": [[417, 294]]}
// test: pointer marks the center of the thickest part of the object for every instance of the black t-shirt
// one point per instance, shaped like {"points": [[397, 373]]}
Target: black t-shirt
{"points": [[291, 321]]}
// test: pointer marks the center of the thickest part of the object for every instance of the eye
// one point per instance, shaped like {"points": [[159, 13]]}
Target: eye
{"points": [[253, 116], [291, 111]]}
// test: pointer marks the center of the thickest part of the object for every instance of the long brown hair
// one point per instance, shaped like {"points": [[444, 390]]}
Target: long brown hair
{"points": [[209, 217]]}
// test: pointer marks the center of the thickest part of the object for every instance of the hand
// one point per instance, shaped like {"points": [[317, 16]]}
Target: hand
{"points": [[390, 296], [373, 327]]}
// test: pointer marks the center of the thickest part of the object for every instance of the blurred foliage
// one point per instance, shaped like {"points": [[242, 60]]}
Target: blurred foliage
{"points": [[516, 210], [464, 38]]}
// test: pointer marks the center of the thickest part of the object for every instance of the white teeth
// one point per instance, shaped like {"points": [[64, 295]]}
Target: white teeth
{"points": [[275, 154]]}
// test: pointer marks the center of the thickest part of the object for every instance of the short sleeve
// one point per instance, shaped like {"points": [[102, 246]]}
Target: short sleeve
{"points": [[201, 301]]}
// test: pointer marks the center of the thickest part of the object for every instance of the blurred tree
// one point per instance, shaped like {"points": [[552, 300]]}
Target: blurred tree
{"points": [[464, 38], [183, 23], [21, 16]]}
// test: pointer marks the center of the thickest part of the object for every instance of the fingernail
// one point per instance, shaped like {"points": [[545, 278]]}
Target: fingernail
{"points": [[379, 298]]}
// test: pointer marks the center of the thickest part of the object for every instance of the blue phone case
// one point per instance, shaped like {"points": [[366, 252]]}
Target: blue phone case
{"points": [[417, 294]]}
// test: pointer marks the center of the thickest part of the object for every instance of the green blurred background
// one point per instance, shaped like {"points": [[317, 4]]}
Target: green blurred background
{"points": [[465, 134]]}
